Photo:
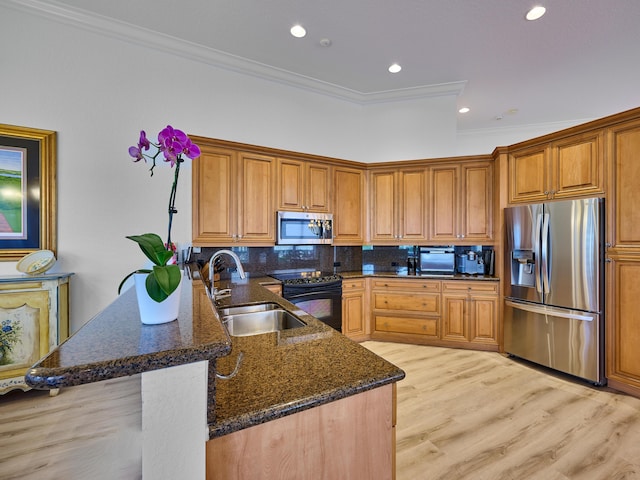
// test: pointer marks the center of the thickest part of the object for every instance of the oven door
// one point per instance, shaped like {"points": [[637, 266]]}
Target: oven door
{"points": [[326, 305]]}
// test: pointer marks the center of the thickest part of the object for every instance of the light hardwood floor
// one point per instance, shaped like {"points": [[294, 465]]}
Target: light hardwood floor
{"points": [[461, 415], [479, 415], [89, 432]]}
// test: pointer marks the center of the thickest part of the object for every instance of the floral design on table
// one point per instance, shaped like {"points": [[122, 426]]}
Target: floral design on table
{"points": [[9, 338]]}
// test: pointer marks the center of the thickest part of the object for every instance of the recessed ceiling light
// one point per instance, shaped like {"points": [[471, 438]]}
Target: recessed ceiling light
{"points": [[535, 13], [464, 110], [395, 68], [298, 31]]}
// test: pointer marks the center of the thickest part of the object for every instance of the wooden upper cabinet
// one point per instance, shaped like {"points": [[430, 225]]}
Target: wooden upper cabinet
{"points": [[461, 202], [349, 206], [623, 208], [571, 167], [233, 198], [383, 217], [303, 186], [214, 197], [256, 212], [398, 205]]}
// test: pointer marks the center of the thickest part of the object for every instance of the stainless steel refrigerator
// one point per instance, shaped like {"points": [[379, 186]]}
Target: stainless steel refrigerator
{"points": [[554, 305]]}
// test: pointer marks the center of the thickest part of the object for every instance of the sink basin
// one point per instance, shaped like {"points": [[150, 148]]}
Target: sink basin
{"points": [[260, 307], [257, 322]]}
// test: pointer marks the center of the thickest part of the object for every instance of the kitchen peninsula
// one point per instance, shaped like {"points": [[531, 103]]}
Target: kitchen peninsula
{"points": [[306, 385]]}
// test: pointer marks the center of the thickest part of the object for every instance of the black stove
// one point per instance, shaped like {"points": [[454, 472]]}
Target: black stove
{"points": [[317, 293]]}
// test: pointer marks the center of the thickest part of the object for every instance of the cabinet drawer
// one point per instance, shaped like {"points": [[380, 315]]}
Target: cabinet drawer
{"points": [[425, 303], [480, 286], [407, 285], [353, 284], [421, 326]]}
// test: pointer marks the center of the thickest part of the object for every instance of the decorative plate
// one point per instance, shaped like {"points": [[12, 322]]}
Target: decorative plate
{"points": [[37, 262]]}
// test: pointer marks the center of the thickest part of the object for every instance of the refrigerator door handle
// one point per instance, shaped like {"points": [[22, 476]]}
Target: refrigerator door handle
{"points": [[545, 310], [546, 265], [537, 253]]}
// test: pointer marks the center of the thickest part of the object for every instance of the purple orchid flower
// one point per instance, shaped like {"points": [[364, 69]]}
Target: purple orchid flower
{"points": [[143, 144]]}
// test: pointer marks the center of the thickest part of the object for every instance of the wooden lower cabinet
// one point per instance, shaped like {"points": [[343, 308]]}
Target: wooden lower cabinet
{"points": [[353, 437], [461, 314], [405, 310], [355, 311], [623, 323], [470, 313]]}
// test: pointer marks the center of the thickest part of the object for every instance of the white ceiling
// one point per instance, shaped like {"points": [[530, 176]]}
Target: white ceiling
{"points": [[579, 61]]}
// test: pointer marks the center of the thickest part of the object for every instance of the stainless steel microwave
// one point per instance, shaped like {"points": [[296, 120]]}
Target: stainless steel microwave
{"points": [[304, 228]]}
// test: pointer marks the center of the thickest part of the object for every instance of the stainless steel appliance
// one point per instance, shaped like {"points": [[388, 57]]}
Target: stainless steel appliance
{"points": [[554, 306], [304, 228], [317, 293], [437, 260], [475, 263]]}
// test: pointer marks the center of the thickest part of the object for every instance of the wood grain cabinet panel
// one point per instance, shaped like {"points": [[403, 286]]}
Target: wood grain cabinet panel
{"points": [[406, 310], [398, 206], [623, 205], [349, 206], [461, 202], [470, 313], [623, 256], [623, 323], [355, 311], [567, 168], [233, 198], [303, 186], [352, 437]]}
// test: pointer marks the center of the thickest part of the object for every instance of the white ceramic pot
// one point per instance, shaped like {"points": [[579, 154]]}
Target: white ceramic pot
{"points": [[152, 312]]}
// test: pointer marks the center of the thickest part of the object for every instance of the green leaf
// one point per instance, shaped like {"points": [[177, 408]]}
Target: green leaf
{"points": [[154, 290], [167, 277], [153, 247]]}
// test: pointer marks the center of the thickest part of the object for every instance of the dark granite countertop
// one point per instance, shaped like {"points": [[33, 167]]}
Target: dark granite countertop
{"points": [[289, 371], [115, 343]]}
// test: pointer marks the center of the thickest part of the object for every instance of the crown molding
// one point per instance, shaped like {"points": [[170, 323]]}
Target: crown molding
{"points": [[132, 33]]}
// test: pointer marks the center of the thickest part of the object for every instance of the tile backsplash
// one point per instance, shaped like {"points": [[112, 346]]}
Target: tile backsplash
{"points": [[259, 261]]}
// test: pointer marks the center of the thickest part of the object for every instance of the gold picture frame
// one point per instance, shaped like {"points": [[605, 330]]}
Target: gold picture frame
{"points": [[28, 216]]}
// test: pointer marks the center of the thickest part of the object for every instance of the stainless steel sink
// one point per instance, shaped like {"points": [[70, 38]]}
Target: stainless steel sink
{"points": [[260, 307], [255, 322]]}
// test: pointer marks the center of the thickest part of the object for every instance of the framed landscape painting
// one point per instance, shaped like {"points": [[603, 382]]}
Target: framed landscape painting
{"points": [[27, 191]]}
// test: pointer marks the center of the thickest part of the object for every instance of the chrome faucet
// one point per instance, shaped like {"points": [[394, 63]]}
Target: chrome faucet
{"points": [[213, 291]]}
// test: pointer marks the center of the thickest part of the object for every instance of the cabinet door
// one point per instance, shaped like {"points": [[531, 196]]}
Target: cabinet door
{"points": [[353, 319], [529, 175], [444, 203], [290, 175], [317, 187], [454, 318], [214, 188], [256, 215], [578, 166], [348, 217], [477, 202], [383, 207], [483, 319], [623, 323], [623, 207], [412, 204]]}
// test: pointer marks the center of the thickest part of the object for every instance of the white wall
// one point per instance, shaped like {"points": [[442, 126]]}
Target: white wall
{"points": [[97, 92]]}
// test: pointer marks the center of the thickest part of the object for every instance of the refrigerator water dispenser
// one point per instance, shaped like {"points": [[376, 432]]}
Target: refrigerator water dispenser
{"points": [[523, 268]]}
